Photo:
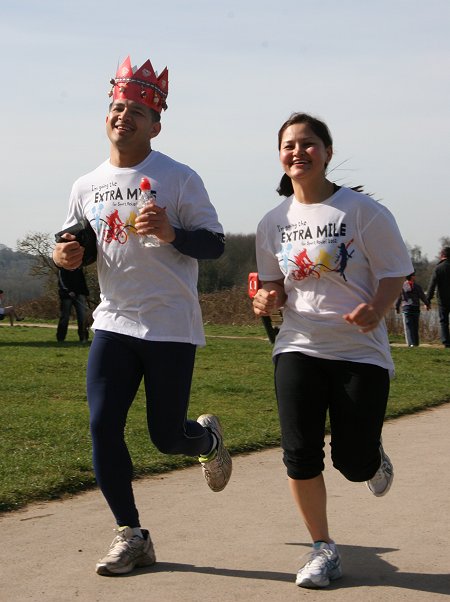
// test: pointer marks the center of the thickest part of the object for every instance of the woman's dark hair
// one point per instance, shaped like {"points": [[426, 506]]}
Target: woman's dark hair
{"points": [[319, 128]]}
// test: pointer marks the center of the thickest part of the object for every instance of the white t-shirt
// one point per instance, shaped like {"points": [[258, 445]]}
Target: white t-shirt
{"points": [[146, 292], [331, 256]]}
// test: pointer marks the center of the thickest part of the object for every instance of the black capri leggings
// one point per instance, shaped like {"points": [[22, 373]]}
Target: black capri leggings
{"points": [[355, 395]]}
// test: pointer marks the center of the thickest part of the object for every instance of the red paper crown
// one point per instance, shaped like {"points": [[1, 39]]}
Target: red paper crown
{"points": [[142, 85]]}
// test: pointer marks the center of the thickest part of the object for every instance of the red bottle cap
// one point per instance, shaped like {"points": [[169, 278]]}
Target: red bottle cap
{"points": [[145, 184]]}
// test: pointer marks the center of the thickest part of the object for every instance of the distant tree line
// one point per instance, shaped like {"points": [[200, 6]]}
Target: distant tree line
{"points": [[15, 280], [29, 272], [239, 259], [232, 268]]}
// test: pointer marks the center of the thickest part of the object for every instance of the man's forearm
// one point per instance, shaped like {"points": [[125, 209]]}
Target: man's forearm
{"points": [[199, 244]]}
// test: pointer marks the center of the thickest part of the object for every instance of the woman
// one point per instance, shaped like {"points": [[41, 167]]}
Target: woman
{"points": [[334, 259], [409, 301]]}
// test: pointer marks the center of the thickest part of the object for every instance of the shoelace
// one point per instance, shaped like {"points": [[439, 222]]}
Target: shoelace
{"points": [[320, 558], [386, 467], [380, 475], [120, 544]]}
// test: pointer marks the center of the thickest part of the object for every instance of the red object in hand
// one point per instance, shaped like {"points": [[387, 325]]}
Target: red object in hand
{"points": [[145, 184], [254, 284]]}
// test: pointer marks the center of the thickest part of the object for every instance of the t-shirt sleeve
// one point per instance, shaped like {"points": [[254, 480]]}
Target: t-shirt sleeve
{"points": [[267, 264], [195, 210], [384, 245], [75, 210]]}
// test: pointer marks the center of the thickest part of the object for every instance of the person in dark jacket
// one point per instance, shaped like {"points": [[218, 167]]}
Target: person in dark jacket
{"points": [[440, 282], [409, 303], [73, 292]]}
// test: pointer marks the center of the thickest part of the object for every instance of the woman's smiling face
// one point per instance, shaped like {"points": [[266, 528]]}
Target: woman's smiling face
{"points": [[302, 153]]}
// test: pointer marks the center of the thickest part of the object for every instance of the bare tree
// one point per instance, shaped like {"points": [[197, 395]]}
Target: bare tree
{"points": [[40, 246], [445, 241]]}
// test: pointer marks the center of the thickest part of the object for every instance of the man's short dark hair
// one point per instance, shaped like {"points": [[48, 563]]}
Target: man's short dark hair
{"points": [[156, 117], [446, 252]]}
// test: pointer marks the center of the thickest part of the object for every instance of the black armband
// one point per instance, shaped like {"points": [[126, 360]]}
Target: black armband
{"points": [[199, 244]]}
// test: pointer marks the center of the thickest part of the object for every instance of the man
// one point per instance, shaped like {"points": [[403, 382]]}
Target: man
{"points": [[440, 281], [9, 311], [73, 292], [148, 322]]}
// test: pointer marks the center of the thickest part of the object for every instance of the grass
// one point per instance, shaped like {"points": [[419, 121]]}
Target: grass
{"points": [[45, 449]]}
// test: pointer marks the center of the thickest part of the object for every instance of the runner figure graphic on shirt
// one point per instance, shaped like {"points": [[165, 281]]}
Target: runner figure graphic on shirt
{"points": [[115, 228], [306, 267], [342, 258]]}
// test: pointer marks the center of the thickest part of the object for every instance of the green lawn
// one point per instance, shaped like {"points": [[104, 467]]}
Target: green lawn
{"points": [[45, 445]]}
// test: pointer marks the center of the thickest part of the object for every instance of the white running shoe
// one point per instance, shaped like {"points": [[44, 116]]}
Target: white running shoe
{"points": [[126, 552], [217, 465], [381, 481], [323, 566]]}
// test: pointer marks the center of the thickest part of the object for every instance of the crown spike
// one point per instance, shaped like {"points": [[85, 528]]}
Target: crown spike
{"points": [[136, 84]]}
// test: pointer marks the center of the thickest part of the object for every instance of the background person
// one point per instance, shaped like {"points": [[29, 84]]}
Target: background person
{"points": [[409, 304], [440, 283], [8, 311], [73, 292], [334, 259], [148, 323]]}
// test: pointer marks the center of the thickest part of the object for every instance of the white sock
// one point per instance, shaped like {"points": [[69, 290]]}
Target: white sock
{"points": [[137, 531]]}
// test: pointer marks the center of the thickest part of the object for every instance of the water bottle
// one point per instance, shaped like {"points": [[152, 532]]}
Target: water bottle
{"points": [[145, 197]]}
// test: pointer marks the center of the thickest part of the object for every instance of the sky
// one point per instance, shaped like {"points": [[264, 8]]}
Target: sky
{"points": [[378, 73]]}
